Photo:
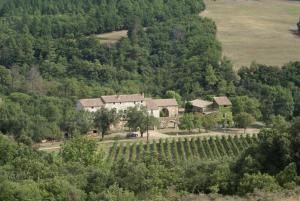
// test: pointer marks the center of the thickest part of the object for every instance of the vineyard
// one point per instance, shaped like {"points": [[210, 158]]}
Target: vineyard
{"points": [[213, 148]]}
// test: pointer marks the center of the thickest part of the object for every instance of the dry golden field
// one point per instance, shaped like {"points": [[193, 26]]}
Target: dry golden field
{"points": [[111, 37], [263, 31]]}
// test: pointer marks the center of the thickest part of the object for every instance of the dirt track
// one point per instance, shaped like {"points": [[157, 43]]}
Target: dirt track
{"points": [[153, 135]]}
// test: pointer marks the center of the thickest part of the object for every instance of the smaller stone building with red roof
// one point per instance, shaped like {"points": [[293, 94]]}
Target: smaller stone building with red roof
{"points": [[222, 101], [207, 107]]}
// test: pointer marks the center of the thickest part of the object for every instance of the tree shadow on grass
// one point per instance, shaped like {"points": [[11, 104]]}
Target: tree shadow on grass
{"points": [[295, 32]]}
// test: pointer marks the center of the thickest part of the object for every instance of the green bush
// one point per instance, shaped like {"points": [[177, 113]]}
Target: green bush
{"points": [[251, 182]]}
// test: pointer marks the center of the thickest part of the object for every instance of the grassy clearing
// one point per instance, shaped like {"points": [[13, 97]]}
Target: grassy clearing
{"points": [[111, 37], [257, 30]]}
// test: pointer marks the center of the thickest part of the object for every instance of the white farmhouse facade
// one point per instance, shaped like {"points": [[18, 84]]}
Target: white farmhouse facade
{"points": [[159, 108], [123, 102], [152, 108], [118, 102], [90, 105]]}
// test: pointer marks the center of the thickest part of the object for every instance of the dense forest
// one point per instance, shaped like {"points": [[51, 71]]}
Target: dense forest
{"points": [[56, 19]]}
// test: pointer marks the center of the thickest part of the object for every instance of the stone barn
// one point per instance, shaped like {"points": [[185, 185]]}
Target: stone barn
{"points": [[167, 112]]}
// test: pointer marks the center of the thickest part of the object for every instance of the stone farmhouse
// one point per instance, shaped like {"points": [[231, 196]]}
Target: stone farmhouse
{"points": [[218, 104], [202, 106], [165, 109]]}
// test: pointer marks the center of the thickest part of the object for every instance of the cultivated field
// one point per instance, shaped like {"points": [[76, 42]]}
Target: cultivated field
{"points": [[212, 148], [257, 30]]}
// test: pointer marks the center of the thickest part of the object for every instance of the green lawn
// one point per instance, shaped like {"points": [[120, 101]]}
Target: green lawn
{"points": [[257, 30]]}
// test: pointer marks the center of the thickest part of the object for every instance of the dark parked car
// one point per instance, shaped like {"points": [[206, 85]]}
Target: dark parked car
{"points": [[131, 135]]}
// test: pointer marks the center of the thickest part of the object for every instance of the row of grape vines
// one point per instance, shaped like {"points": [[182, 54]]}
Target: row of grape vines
{"points": [[212, 148]]}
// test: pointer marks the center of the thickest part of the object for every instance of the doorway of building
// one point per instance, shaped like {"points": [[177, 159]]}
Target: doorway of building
{"points": [[164, 112]]}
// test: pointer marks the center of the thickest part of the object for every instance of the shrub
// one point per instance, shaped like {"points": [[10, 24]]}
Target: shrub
{"points": [[252, 182]]}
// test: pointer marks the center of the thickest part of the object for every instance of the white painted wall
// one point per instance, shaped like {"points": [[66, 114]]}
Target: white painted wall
{"points": [[123, 106], [154, 113], [89, 109], [173, 110], [92, 109]]}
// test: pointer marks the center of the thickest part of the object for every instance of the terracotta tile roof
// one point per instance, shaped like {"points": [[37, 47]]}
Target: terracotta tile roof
{"points": [[92, 102], [201, 103], [165, 102], [150, 104], [223, 101], [122, 98]]}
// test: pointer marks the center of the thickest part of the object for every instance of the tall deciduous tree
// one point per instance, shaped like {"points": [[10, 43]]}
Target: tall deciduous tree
{"points": [[211, 120], [244, 120], [174, 94], [288, 176], [186, 122], [5, 76], [81, 149], [259, 181], [198, 121], [12, 118], [139, 119], [35, 81], [284, 102], [295, 140], [210, 76], [74, 121], [279, 123], [104, 118], [246, 104]]}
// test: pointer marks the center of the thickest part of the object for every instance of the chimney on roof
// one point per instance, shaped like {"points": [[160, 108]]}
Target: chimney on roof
{"points": [[118, 97], [142, 94]]}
